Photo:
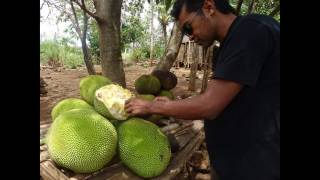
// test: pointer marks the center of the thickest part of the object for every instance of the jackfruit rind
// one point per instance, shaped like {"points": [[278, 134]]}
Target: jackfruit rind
{"points": [[81, 140], [110, 100], [89, 84], [143, 148], [68, 104]]}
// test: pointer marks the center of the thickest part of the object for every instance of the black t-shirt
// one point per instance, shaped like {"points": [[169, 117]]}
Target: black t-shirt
{"points": [[244, 140]]}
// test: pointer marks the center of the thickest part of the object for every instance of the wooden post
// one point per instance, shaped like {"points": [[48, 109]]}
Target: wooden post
{"points": [[208, 54], [194, 67], [189, 55]]}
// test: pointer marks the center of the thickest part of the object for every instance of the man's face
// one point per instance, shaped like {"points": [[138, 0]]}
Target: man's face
{"points": [[197, 26]]}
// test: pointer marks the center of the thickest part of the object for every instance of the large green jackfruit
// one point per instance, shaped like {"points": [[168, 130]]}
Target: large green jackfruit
{"points": [[143, 148], [81, 140], [68, 104]]}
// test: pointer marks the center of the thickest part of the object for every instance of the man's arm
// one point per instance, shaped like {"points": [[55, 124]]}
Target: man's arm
{"points": [[210, 104]]}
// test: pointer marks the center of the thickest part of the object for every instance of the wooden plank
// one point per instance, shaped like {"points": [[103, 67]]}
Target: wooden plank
{"points": [[170, 127], [48, 171], [44, 156], [44, 129], [45, 122], [115, 172], [181, 158]]}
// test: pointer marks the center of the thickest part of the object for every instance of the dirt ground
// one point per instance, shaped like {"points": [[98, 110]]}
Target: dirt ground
{"points": [[64, 83]]}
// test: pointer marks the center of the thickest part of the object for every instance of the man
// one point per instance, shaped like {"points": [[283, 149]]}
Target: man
{"points": [[241, 105]]}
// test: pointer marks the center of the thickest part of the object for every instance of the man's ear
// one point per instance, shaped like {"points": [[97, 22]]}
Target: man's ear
{"points": [[208, 7]]}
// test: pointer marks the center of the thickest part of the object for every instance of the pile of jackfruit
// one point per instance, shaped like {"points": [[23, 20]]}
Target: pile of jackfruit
{"points": [[87, 133]]}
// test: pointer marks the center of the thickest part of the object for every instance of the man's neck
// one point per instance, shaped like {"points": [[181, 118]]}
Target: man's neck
{"points": [[224, 25]]}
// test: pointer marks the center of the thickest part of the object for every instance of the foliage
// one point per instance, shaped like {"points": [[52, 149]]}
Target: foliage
{"points": [[60, 52], [261, 7]]}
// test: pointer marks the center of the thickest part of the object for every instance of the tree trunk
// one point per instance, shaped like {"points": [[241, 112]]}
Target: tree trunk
{"points": [[238, 9], [275, 11], [86, 56], [171, 51], [251, 7], [151, 33], [109, 12], [164, 29]]}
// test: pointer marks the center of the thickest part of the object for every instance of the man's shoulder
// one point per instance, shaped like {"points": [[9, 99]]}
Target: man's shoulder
{"points": [[259, 19]]}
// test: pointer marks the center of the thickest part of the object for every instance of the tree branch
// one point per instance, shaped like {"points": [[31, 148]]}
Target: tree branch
{"points": [[83, 7], [77, 26], [251, 7], [239, 7], [275, 11]]}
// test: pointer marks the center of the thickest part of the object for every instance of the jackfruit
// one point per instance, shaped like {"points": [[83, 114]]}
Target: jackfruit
{"points": [[147, 84], [167, 94], [167, 79], [81, 140], [89, 85], [109, 101], [143, 148], [68, 104]]}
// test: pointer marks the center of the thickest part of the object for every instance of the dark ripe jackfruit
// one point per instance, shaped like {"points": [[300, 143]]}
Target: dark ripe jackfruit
{"points": [[167, 79]]}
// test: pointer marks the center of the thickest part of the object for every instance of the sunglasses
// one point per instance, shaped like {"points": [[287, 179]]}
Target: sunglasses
{"points": [[187, 28]]}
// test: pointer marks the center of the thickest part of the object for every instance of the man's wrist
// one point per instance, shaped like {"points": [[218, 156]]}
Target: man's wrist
{"points": [[155, 107]]}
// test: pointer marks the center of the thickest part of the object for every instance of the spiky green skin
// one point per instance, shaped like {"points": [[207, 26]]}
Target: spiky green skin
{"points": [[147, 84], [167, 79], [68, 104], [167, 94], [81, 140], [143, 148], [89, 85]]}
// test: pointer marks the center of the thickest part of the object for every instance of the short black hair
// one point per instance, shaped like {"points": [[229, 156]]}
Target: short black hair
{"points": [[195, 5]]}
